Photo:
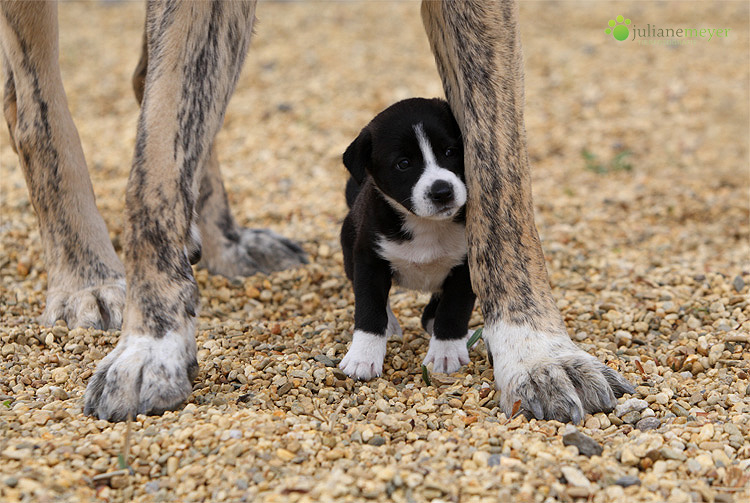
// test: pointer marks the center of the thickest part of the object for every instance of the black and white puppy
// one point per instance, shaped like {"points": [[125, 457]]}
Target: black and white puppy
{"points": [[406, 225]]}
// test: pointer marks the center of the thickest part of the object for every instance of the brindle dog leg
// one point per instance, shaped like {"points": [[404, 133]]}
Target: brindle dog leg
{"points": [[85, 279], [195, 53], [476, 44], [226, 248]]}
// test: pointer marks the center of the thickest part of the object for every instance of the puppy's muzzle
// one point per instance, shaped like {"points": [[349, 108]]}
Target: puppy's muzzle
{"points": [[441, 193]]}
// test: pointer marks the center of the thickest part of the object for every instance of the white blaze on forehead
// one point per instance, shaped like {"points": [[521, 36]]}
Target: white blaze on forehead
{"points": [[423, 204], [424, 145]]}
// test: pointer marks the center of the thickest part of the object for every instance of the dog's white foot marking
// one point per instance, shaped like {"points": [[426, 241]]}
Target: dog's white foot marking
{"points": [[364, 360], [143, 375], [447, 356], [549, 374], [94, 307]]}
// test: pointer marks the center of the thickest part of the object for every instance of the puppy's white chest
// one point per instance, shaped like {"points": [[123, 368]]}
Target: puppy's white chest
{"points": [[423, 262]]}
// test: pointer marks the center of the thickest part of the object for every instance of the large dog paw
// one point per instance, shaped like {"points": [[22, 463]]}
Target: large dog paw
{"points": [[447, 356], [250, 251], [364, 360], [95, 307], [142, 375], [550, 376]]}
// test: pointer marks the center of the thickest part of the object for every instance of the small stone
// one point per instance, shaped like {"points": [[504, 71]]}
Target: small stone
{"points": [[669, 453], [706, 433], [628, 458], [738, 283], [575, 477], [493, 460], [585, 444], [376, 440], [631, 417], [630, 405], [321, 358], [367, 434], [382, 405], [649, 412], [118, 481], [628, 480], [648, 423], [661, 398], [285, 455], [593, 423], [11, 481], [172, 464], [17, 454], [623, 338], [151, 486], [693, 466], [678, 410], [319, 374], [299, 374]]}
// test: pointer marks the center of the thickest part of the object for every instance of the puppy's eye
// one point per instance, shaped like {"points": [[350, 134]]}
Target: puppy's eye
{"points": [[403, 164], [451, 151]]}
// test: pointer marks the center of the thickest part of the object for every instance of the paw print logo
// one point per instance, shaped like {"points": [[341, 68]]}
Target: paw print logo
{"points": [[618, 29]]}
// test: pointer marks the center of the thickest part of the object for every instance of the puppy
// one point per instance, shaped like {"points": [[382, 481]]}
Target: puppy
{"points": [[406, 225]]}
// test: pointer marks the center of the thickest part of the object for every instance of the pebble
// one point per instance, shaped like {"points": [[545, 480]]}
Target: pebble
{"points": [[630, 405], [738, 283], [631, 417], [324, 360], [648, 423], [585, 444], [628, 480], [629, 458], [575, 477]]}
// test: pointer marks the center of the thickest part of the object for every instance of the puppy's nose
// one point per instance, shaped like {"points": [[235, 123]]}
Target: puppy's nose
{"points": [[441, 192]]}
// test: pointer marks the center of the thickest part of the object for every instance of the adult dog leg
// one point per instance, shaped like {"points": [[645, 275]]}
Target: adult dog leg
{"points": [[225, 247], [476, 44], [85, 279], [195, 54]]}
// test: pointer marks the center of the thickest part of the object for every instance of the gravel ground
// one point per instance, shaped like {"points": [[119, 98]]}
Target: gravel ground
{"points": [[640, 158]]}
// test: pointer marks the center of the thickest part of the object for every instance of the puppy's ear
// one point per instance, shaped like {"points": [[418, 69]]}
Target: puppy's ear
{"points": [[358, 154]]}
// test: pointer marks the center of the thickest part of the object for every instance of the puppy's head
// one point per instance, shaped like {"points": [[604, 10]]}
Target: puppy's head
{"points": [[413, 152]]}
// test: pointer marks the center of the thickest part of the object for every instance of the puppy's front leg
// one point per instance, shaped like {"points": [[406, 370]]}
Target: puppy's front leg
{"points": [[448, 351], [372, 281], [476, 44], [196, 51]]}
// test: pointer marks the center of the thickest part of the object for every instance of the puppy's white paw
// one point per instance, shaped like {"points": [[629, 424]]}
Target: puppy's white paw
{"points": [[447, 356], [364, 360], [549, 374], [143, 375]]}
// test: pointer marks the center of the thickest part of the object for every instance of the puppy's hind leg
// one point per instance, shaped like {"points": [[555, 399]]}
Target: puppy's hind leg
{"points": [[476, 44], [225, 247], [85, 279], [196, 50]]}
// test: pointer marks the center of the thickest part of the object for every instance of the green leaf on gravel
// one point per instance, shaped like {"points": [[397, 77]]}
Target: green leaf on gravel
{"points": [[474, 338], [121, 463], [426, 375], [7, 403]]}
